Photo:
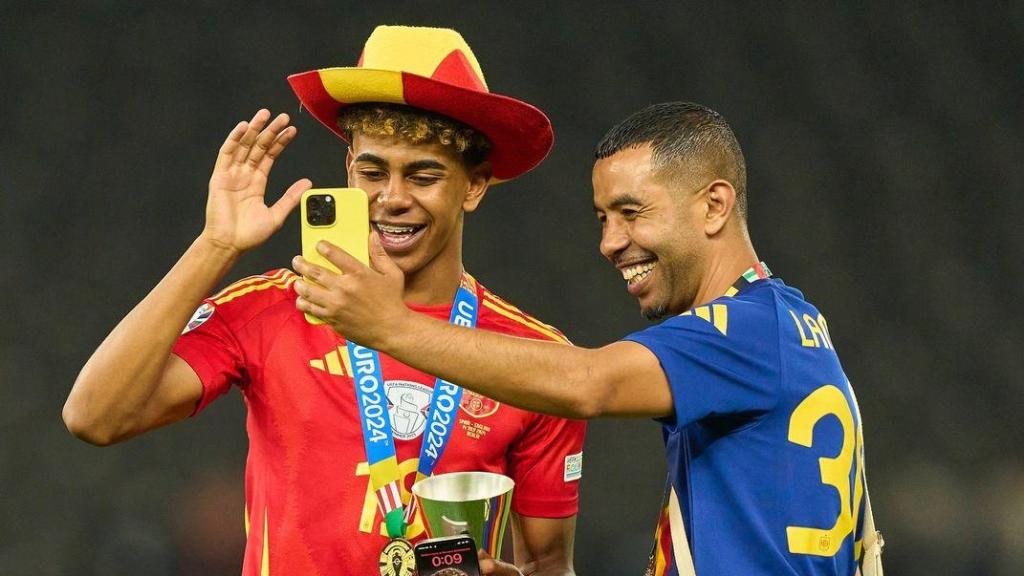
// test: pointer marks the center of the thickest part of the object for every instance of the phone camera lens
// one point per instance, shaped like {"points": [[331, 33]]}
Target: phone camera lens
{"points": [[320, 210]]}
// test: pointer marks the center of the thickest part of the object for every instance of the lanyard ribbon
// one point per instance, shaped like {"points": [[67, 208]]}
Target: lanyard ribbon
{"points": [[376, 424]]}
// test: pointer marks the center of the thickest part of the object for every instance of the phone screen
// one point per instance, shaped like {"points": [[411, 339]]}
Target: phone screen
{"points": [[451, 556]]}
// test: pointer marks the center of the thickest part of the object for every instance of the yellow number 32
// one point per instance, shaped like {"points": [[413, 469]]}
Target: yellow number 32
{"points": [[835, 472]]}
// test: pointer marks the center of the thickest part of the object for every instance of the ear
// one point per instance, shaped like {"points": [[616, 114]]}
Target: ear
{"points": [[479, 181], [349, 159], [719, 204]]}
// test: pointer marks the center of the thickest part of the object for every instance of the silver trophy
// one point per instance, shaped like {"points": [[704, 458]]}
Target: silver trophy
{"points": [[473, 503]]}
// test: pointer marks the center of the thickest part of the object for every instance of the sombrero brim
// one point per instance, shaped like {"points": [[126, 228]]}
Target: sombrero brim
{"points": [[520, 135]]}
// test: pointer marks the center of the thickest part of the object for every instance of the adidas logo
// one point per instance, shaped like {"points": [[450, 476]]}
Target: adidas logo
{"points": [[334, 362], [716, 314]]}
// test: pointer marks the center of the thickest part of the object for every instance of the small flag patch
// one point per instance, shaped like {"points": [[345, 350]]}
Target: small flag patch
{"points": [[573, 467], [202, 314]]}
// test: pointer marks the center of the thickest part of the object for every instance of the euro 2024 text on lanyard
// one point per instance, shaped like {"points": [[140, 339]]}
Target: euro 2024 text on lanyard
{"points": [[397, 556]]}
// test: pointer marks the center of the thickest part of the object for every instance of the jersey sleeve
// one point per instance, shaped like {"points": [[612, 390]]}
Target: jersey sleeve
{"points": [[720, 360], [547, 463], [212, 343]]}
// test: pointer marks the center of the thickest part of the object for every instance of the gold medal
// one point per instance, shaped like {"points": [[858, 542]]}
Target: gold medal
{"points": [[397, 558]]}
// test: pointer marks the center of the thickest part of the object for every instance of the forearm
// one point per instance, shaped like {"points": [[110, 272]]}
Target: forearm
{"points": [[113, 388], [534, 375], [543, 546]]}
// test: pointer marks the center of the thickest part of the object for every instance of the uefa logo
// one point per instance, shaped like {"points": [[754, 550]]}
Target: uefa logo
{"points": [[408, 403]]}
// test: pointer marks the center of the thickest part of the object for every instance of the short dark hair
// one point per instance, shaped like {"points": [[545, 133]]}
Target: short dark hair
{"points": [[416, 126], [683, 135]]}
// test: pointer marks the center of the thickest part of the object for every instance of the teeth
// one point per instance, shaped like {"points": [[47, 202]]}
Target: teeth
{"points": [[396, 229], [634, 274]]}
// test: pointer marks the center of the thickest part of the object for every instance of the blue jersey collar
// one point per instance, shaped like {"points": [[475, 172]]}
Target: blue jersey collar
{"points": [[756, 272]]}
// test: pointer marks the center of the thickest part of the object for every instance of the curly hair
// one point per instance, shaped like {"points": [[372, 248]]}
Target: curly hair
{"points": [[415, 126]]}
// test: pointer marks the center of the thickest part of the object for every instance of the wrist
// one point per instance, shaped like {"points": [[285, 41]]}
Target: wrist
{"points": [[396, 329], [215, 250]]}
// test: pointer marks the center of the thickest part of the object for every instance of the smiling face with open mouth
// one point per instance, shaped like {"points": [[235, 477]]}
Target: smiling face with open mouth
{"points": [[418, 194], [650, 232]]}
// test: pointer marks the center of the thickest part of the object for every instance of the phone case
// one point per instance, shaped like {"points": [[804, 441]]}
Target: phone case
{"points": [[349, 230]]}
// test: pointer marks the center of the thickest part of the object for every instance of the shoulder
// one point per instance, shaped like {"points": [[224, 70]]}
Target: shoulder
{"points": [[747, 318], [242, 300], [500, 316]]}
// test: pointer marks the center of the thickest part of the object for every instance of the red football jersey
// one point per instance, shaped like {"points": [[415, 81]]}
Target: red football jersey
{"points": [[310, 508]]}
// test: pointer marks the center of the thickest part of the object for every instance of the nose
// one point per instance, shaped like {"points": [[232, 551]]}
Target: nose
{"points": [[614, 238], [394, 196]]}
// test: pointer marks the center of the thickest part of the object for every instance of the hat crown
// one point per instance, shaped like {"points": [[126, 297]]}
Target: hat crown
{"points": [[437, 53]]}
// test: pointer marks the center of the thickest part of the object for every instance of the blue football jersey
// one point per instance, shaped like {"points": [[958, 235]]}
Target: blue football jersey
{"points": [[765, 450]]}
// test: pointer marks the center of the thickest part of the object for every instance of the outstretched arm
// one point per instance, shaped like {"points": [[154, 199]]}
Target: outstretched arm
{"points": [[132, 382], [620, 379]]}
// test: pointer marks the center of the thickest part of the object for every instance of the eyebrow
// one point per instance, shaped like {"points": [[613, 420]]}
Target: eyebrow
{"points": [[620, 201], [413, 166], [373, 159], [424, 165]]}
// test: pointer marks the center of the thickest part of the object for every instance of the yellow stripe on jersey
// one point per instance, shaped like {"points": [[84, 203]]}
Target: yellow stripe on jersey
{"points": [[332, 362], [265, 561], [527, 321], [498, 300], [721, 317], [248, 280], [703, 312], [343, 352], [716, 314], [281, 283], [511, 308]]}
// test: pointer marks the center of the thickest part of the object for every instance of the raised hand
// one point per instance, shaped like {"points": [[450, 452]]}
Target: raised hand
{"points": [[237, 216]]}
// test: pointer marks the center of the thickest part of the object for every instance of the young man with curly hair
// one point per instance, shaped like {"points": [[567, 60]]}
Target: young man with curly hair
{"points": [[427, 139]]}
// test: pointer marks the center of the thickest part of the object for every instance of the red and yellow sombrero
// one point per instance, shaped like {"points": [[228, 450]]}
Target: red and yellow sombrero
{"points": [[432, 69]]}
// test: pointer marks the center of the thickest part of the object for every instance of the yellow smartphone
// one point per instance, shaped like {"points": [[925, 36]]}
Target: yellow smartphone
{"points": [[340, 216]]}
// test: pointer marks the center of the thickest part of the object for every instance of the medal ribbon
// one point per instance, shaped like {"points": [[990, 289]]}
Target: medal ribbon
{"points": [[376, 423]]}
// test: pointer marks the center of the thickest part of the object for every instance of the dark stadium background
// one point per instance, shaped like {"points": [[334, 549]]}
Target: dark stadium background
{"points": [[885, 155]]}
